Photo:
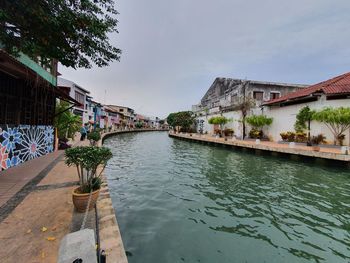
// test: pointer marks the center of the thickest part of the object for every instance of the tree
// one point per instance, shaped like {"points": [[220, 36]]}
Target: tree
{"points": [[259, 121], [139, 125], [65, 121], [72, 32], [219, 120], [303, 121], [171, 119], [336, 119], [184, 119], [244, 107]]}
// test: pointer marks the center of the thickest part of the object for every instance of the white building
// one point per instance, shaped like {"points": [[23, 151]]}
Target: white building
{"points": [[225, 95], [331, 93], [79, 94]]}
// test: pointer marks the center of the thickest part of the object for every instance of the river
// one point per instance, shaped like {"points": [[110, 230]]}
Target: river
{"points": [[179, 201]]}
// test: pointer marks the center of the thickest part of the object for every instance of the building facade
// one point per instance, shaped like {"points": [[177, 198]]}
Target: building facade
{"points": [[129, 115], [333, 93], [225, 93], [80, 94], [27, 108], [225, 96]]}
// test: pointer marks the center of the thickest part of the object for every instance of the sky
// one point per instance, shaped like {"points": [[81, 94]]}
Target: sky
{"points": [[172, 51]]}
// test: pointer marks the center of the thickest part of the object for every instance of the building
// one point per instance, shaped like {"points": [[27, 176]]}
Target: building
{"points": [[113, 118], [129, 118], [27, 108], [334, 93], [225, 95], [80, 94]]}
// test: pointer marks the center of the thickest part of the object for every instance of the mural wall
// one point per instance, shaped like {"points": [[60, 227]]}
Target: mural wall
{"points": [[21, 143]]}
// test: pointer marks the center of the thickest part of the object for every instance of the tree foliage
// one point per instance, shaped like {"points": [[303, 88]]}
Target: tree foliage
{"points": [[65, 121], [303, 117], [87, 160], [259, 121], [184, 119], [244, 107], [220, 120], [72, 32], [336, 119]]}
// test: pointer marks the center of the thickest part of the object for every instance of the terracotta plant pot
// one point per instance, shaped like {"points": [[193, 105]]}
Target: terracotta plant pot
{"points": [[80, 201]]}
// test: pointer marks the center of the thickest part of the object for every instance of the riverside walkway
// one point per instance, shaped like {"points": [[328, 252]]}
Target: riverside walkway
{"points": [[36, 210], [330, 154]]}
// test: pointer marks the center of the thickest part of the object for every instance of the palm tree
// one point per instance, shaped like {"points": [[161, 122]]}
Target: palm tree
{"points": [[65, 121]]}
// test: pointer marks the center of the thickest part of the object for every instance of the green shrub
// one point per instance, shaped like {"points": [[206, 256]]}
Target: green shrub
{"points": [[258, 121], [300, 137], [256, 134], [87, 160], [94, 137]]}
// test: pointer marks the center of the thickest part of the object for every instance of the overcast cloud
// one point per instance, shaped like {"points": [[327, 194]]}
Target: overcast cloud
{"points": [[173, 50]]}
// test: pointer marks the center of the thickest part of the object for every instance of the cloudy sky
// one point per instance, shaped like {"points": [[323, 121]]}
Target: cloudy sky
{"points": [[173, 50]]}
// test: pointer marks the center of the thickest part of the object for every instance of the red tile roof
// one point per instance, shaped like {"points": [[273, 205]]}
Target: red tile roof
{"points": [[334, 86]]}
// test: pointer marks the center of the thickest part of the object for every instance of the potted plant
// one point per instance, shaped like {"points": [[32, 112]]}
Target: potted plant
{"points": [[221, 121], [228, 132], [257, 122], [90, 162], [316, 141], [94, 137]]}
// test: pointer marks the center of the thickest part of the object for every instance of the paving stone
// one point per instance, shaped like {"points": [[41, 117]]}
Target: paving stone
{"points": [[78, 245]]}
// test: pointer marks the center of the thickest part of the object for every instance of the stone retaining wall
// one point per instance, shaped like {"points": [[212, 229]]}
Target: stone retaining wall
{"points": [[303, 152]]}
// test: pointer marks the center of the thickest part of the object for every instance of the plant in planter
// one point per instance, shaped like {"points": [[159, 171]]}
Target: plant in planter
{"points": [[300, 137], [228, 132], [90, 162], [303, 122], [94, 137], [341, 138], [219, 120], [258, 122], [317, 140], [336, 119], [256, 134], [284, 136]]}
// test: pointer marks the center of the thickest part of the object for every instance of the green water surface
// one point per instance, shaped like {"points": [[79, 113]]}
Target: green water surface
{"points": [[178, 201]]}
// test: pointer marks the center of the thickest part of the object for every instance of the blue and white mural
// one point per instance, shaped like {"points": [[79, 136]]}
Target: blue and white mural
{"points": [[21, 143]]}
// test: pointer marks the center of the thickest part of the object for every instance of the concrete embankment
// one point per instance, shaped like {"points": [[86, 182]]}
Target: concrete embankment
{"points": [[331, 156]]}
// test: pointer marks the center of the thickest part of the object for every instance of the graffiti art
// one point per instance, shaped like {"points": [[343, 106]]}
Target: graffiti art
{"points": [[22, 143]]}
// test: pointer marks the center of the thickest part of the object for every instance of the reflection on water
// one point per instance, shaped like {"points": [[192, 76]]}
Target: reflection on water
{"points": [[178, 201]]}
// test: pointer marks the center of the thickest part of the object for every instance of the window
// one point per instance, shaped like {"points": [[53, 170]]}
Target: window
{"points": [[274, 95], [80, 98], [121, 110], [258, 95], [234, 98]]}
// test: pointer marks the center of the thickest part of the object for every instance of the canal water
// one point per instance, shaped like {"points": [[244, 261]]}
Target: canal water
{"points": [[178, 201]]}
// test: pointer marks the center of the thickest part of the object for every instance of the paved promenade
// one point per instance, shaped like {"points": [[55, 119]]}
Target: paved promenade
{"points": [[36, 217], [299, 150], [36, 211]]}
